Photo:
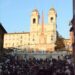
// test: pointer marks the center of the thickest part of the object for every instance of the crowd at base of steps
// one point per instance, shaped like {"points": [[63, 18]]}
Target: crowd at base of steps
{"points": [[33, 66]]}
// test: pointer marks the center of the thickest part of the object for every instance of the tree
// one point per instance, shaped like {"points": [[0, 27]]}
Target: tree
{"points": [[59, 42]]}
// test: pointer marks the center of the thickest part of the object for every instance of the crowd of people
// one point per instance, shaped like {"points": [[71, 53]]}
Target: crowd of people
{"points": [[33, 66]]}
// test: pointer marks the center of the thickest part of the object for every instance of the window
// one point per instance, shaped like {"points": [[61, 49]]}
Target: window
{"points": [[28, 43], [33, 39], [20, 41], [51, 18], [13, 44], [21, 37], [51, 37], [34, 20]]}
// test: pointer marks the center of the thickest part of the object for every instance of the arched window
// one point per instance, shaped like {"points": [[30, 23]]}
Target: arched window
{"points": [[51, 18], [34, 20]]}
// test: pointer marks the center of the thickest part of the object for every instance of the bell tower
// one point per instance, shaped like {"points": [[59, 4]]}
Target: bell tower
{"points": [[34, 20], [34, 27], [52, 16]]}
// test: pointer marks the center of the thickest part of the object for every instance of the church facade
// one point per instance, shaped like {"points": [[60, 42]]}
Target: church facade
{"points": [[41, 36]]}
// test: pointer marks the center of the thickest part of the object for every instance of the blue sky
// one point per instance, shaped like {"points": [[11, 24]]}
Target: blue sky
{"points": [[15, 14]]}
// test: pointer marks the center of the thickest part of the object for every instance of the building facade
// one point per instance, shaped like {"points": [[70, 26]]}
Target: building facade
{"points": [[68, 44], [2, 31], [41, 36]]}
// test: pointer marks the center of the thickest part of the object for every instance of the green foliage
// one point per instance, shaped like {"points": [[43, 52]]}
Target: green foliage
{"points": [[59, 42]]}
